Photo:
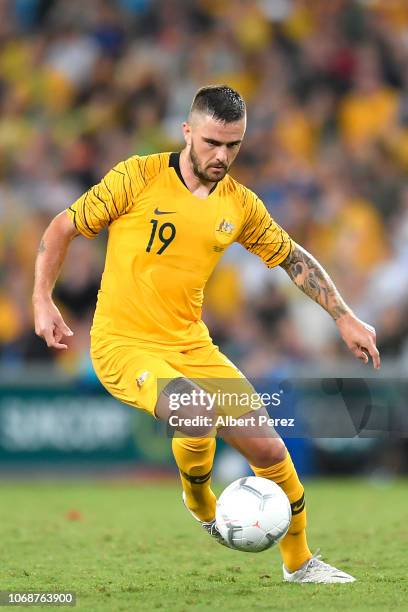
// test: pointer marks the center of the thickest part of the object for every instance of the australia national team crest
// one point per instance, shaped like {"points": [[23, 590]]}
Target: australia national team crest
{"points": [[224, 230], [226, 227]]}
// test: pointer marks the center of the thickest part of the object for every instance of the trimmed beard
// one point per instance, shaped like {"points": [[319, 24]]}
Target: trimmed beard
{"points": [[201, 174]]}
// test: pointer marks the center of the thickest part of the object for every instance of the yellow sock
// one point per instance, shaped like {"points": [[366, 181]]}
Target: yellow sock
{"points": [[194, 458], [293, 547]]}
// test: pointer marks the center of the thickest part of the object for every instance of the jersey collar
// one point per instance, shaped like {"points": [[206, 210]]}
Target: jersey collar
{"points": [[174, 162]]}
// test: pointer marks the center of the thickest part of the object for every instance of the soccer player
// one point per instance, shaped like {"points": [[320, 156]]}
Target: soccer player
{"points": [[170, 217]]}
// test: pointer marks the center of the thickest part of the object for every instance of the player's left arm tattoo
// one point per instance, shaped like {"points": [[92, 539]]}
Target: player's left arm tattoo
{"points": [[41, 248], [307, 274]]}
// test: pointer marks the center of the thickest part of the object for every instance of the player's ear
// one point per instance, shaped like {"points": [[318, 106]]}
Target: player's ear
{"points": [[187, 132]]}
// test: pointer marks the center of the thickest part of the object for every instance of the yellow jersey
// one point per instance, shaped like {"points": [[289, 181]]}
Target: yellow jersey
{"points": [[164, 242]]}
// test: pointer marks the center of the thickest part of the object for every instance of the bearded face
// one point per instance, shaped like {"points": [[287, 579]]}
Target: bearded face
{"points": [[212, 145]]}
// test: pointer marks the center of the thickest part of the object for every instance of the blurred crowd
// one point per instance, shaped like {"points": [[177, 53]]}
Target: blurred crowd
{"points": [[86, 84]]}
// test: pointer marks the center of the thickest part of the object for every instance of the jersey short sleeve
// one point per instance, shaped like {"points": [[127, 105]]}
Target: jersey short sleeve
{"points": [[115, 194], [260, 234]]}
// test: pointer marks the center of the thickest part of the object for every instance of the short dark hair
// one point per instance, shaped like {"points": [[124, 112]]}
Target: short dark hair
{"points": [[220, 102]]}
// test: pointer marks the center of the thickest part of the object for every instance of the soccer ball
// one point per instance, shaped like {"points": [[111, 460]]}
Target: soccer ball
{"points": [[253, 514]]}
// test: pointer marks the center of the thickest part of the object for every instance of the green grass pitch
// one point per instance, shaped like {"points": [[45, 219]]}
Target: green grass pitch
{"points": [[134, 547]]}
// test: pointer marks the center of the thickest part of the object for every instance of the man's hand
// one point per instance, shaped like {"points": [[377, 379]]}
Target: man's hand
{"points": [[49, 323], [307, 274], [359, 337]]}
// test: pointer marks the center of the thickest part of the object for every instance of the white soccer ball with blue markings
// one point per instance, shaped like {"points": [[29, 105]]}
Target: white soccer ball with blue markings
{"points": [[253, 514]]}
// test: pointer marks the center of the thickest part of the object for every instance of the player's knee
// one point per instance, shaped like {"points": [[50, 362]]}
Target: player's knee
{"points": [[267, 452], [194, 426], [195, 422], [184, 406]]}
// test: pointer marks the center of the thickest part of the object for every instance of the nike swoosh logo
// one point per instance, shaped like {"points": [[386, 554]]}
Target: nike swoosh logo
{"points": [[163, 212]]}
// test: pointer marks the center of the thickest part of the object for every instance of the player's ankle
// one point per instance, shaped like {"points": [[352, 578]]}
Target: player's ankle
{"points": [[297, 566]]}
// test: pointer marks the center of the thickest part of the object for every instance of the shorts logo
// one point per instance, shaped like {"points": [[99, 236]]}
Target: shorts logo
{"points": [[142, 379]]}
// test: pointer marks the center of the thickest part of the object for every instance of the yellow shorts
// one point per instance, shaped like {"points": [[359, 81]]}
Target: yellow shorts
{"points": [[136, 375]]}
